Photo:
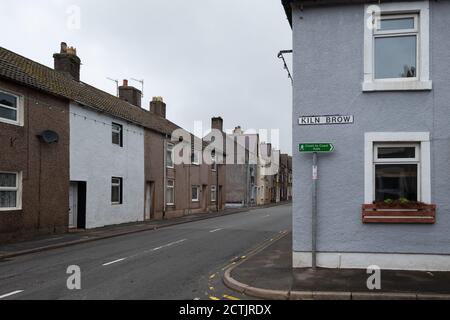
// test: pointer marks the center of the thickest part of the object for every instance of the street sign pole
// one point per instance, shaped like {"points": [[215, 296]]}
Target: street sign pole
{"points": [[314, 211], [315, 149]]}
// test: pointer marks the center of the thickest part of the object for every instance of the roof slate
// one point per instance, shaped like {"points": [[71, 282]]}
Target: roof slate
{"points": [[24, 71]]}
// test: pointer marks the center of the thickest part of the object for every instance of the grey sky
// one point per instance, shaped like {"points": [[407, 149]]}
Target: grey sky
{"points": [[205, 57]]}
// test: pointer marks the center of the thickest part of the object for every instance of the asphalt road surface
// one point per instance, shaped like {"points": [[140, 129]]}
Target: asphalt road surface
{"points": [[180, 262]]}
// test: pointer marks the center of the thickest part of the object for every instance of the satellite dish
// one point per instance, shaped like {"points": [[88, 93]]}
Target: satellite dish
{"points": [[49, 137]]}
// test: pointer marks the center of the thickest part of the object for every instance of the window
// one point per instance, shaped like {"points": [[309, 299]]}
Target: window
{"points": [[116, 190], [195, 194], [195, 158], [169, 156], [397, 47], [213, 193], [396, 43], [396, 169], [170, 193], [9, 108], [117, 134], [397, 173], [214, 162], [10, 191]]}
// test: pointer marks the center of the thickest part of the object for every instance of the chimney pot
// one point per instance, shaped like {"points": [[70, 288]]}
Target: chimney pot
{"points": [[130, 94], [217, 123], [67, 61], [158, 107]]}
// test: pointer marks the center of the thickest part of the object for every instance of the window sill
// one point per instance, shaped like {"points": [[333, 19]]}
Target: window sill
{"points": [[425, 214], [11, 210], [371, 86]]}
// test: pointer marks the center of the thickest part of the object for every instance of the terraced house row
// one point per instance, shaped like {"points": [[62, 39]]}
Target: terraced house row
{"points": [[73, 156]]}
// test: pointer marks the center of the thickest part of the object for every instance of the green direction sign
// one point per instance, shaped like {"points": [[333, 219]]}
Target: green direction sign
{"points": [[316, 147]]}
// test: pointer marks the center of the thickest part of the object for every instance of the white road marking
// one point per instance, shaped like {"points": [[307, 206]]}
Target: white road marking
{"points": [[11, 294], [169, 245], [112, 262], [216, 230]]}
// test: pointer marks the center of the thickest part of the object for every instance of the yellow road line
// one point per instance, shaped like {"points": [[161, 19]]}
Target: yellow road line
{"points": [[231, 298], [214, 298]]}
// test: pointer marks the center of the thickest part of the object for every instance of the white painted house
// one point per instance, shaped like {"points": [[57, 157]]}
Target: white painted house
{"points": [[106, 169]]}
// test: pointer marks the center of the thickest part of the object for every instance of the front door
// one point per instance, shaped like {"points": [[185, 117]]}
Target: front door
{"points": [[149, 200], [73, 205]]}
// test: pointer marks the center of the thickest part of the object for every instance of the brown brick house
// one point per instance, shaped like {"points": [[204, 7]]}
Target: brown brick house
{"points": [[34, 174], [174, 190]]}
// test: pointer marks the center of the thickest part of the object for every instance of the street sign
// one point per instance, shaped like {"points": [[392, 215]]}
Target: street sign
{"points": [[316, 147], [325, 120]]}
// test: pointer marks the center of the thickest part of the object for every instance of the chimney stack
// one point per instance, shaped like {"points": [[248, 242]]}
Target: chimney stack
{"points": [[158, 107], [217, 123], [68, 62], [130, 94]]}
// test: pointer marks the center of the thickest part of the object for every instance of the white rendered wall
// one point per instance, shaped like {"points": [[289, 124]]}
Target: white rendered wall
{"points": [[95, 160]]}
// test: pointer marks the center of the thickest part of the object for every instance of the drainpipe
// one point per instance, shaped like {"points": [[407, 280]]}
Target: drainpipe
{"points": [[165, 177]]}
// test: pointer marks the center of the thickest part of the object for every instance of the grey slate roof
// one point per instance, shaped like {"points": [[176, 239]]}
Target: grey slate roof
{"points": [[24, 71]]}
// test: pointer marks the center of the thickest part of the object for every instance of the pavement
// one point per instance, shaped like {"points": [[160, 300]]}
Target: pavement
{"points": [[180, 261], [50, 242], [267, 274]]}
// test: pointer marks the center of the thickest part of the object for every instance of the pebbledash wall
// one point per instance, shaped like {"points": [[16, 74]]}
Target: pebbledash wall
{"points": [[328, 75], [95, 160]]}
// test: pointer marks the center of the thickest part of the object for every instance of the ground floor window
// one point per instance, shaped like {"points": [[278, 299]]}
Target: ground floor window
{"points": [[397, 167], [10, 189], [213, 194], [397, 172], [116, 190], [195, 194], [170, 193]]}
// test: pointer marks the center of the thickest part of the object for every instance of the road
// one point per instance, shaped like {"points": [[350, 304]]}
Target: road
{"points": [[179, 262]]}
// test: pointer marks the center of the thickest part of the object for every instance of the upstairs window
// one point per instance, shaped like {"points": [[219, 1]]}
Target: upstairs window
{"points": [[397, 46], [195, 157], [117, 134], [9, 108], [169, 156], [214, 162], [396, 39]]}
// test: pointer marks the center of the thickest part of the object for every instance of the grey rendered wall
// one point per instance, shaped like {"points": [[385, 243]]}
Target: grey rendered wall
{"points": [[328, 71]]}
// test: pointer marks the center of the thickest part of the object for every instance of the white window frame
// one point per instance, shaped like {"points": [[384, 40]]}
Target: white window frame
{"points": [[214, 162], [19, 109], [214, 192], [120, 132], [196, 154], [170, 186], [170, 148], [120, 186], [406, 138], [17, 189], [198, 194], [422, 81], [399, 161]]}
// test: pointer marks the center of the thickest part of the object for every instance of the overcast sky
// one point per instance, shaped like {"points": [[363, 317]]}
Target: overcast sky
{"points": [[204, 57]]}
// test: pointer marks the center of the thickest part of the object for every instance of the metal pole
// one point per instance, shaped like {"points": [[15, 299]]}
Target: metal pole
{"points": [[314, 211]]}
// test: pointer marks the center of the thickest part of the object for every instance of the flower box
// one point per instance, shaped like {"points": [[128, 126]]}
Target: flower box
{"points": [[418, 213]]}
